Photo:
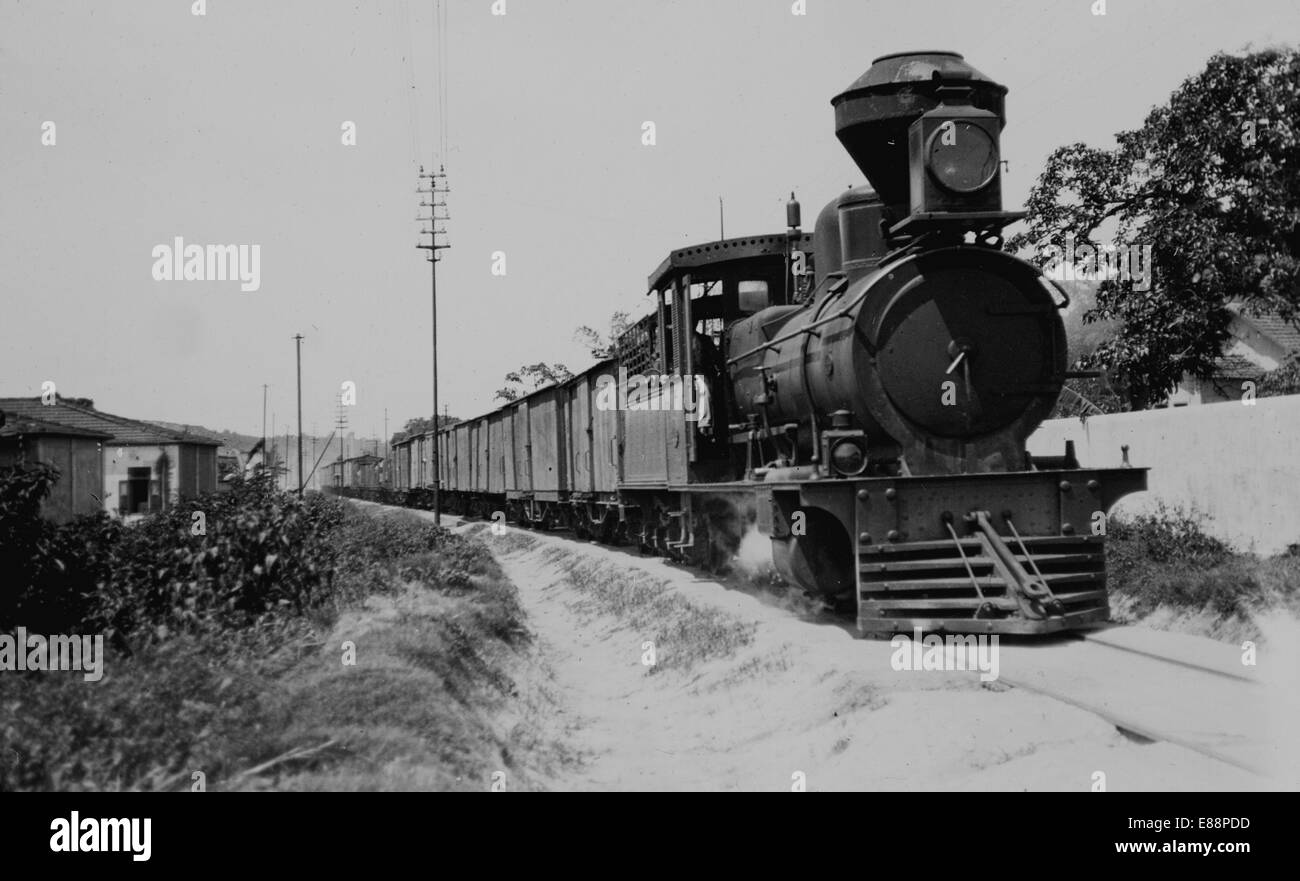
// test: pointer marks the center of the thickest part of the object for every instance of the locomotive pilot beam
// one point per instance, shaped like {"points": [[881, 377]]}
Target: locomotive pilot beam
{"points": [[870, 415]]}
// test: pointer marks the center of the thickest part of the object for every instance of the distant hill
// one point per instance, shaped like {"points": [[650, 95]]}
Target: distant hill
{"points": [[1084, 338], [240, 442], [244, 443]]}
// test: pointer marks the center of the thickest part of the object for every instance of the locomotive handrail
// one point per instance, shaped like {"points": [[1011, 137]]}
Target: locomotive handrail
{"points": [[1059, 306], [807, 328]]}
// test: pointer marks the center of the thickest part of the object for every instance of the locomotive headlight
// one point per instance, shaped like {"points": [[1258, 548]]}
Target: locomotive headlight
{"points": [[849, 456], [961, 156]]}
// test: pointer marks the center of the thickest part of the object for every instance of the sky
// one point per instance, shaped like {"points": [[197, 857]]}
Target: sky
{"points": [[227, 128]]}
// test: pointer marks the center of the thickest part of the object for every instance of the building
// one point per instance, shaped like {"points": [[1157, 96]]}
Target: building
{"points": [[77, 453], [1256, 345], [230, 465], [359, 472], [145, 467], [230, 461]]}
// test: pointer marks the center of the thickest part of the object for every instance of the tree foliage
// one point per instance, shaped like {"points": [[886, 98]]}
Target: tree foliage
{"points": [[425, 424], [1211, 182], [530, 378], [1285, 380], [600, 345]]}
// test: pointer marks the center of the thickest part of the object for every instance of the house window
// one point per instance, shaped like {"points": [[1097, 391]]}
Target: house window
{"points": [[136, 492]]}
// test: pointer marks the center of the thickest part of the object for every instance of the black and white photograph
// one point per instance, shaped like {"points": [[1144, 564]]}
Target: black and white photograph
{"points": [[687, 396]]}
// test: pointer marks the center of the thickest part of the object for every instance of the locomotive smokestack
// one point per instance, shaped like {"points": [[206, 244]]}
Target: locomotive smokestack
{"points": [[872, 115]]}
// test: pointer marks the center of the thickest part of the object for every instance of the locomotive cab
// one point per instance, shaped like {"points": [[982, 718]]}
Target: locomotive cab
{"points": [[699, 292]]}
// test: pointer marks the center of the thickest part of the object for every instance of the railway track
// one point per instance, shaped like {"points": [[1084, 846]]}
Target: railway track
{"points": [[1153, 686], [1160, 687]]}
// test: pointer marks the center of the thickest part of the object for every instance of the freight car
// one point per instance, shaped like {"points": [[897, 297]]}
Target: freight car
{"points": [[863, 393]]}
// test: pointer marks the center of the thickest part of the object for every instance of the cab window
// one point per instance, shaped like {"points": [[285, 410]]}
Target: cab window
{"points": [[753, 296]]}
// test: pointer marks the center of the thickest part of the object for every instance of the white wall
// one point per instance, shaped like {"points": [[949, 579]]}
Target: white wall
{"points": [[1239, 464], [118, 458]]}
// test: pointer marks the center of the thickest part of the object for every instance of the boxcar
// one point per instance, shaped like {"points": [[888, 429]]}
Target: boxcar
{"points": [[523, 466], [499, 453]]}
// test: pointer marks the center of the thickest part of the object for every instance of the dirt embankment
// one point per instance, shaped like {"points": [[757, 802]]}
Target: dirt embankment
{"points": [[644, 675]]}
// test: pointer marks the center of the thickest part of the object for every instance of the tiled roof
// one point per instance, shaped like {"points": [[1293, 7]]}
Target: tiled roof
{"points": [[119, 430], [1285, 333], [195, 434], [15, 425], [1236, 367]]}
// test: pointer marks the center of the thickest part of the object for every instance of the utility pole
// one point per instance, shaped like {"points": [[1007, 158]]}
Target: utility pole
{"points": [[341, 423], [264, 459], [298, 339], [313, 442], [433, 247]]}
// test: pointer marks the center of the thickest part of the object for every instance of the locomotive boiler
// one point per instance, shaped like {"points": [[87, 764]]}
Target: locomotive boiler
{"points": [[869, 389]]}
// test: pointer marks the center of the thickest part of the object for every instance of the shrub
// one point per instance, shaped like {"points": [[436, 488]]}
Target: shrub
{"points": [[1165, 536], [1166, 558], [214, 644], [260, 553]]}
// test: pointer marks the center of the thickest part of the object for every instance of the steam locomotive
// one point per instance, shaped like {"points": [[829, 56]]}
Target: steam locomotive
{"points": [[862, 395]]}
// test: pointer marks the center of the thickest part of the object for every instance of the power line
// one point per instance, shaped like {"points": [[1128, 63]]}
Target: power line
{"points": [[444, 77], [401, 35]]}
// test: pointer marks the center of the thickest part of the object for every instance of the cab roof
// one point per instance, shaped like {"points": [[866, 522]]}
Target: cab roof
{"points": [[710, 261]]}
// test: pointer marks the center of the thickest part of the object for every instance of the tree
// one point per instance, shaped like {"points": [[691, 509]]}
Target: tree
{"points": [[530, 378], [1085, 396], [603, 346], [424, 424], [1211, 183], [1285, 380]]}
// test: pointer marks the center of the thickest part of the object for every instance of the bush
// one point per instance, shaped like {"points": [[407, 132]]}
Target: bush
{"points": [[210, 634], [1168, 559], [1165, 536], [260, 553]]}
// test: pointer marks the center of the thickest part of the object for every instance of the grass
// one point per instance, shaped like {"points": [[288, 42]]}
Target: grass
{"points": [[438, 637], [684, 633]]}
